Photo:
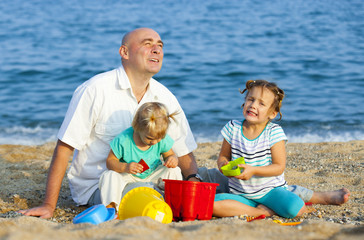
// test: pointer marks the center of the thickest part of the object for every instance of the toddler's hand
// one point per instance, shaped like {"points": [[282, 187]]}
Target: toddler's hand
{"points": [[134, 168], [247, 173], [171, 162]]}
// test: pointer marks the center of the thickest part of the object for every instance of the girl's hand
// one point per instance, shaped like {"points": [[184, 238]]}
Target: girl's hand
{"points": [[171, 161], [134, 168], [221, 162], [247, 173], [225, 154]]}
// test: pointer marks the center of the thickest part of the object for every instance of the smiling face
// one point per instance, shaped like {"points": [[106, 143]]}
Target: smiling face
{"points": [[142, 52], [257, 107]]}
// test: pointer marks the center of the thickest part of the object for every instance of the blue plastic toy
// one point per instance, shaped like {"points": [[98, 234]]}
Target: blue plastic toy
{"points": [[95, 215]]}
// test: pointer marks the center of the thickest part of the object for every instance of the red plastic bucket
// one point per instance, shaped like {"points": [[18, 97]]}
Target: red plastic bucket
{"points": [[190, 200]]}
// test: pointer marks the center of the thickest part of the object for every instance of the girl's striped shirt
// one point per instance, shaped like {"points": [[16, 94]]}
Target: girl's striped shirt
{"points": [[256, 152]]}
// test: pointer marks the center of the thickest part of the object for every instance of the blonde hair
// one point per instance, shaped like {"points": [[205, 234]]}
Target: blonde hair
{"points": [[153, 118], [278, 93]]}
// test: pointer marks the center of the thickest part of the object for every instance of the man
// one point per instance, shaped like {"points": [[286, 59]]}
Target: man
{"points": [[103, 107]]}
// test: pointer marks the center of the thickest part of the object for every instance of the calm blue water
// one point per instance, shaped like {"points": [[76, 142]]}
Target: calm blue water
{"points": [[313, 49]]}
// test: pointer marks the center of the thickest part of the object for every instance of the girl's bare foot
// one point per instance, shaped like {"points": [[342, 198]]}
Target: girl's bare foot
{"points": [[336, 197]]}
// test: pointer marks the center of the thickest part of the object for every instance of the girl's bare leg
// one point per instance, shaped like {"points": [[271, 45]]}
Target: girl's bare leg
{"points": [[230, 208]]}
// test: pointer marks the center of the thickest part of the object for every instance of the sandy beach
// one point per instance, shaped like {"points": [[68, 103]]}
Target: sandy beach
{"points": [[319, 166]]}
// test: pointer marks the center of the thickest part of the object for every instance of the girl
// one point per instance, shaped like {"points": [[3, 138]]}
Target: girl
{"points": [[261, 187], [135, 154]]}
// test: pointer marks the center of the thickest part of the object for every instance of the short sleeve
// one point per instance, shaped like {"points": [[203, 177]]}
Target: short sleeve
{"points": [[166, 144], [276, 135], [117, 145], [227, 131]]}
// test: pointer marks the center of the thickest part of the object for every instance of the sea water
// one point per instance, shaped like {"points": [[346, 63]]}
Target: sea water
{"points": [[314, 50]]}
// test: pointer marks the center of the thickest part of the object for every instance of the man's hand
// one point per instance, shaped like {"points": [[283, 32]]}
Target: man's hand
{"points": [[43, 211]]}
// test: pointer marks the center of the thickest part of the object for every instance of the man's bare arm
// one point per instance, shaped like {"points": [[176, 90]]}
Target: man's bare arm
{"points": [[57, 170]]}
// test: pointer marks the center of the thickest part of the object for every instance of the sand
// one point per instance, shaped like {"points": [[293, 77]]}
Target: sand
{"points": [[319, 166]]}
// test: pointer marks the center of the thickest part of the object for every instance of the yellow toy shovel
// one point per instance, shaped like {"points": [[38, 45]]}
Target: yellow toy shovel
{"points": [[287, 223]]}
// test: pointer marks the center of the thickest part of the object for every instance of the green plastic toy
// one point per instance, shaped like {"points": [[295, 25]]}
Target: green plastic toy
{"points": [[231, 169]]}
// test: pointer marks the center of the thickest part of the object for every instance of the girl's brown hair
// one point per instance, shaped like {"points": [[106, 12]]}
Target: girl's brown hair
{"points": [[278, 93], [152, 118]]}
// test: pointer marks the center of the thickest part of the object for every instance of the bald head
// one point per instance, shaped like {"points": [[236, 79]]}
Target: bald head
{"points": [[130, 36]]}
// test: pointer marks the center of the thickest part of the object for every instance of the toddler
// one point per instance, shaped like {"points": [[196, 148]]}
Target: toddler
{"points": [[135, 154]]}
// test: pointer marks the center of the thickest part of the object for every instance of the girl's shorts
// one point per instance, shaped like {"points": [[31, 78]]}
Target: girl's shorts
{"points": [[280, 200]]}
